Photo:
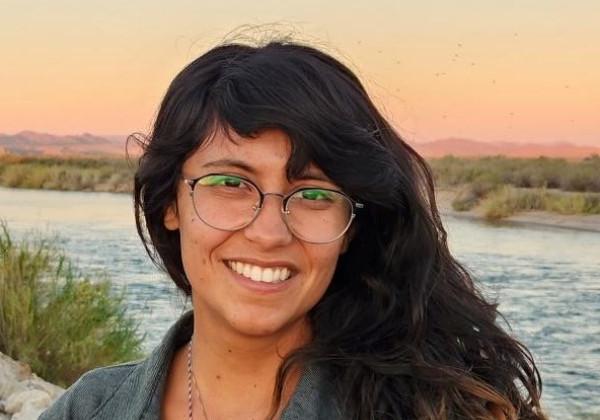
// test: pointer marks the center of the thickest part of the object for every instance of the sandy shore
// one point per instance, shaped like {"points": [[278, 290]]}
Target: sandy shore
{"points": [[590, 223]]}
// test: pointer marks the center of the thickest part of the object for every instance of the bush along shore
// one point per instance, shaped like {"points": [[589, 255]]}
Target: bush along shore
{"points": [[496, 187], [56, 323], [67, 174]]}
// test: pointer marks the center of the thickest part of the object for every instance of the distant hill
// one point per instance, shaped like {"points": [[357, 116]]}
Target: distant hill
{"points": [[472, 148], [42, 144]]}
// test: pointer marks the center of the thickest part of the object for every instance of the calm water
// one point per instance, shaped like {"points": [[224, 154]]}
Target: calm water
{"points": [[547, 280]]}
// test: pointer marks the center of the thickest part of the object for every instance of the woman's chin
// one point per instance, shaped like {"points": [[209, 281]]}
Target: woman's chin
{"points": [[257, 328], [266, 326]]}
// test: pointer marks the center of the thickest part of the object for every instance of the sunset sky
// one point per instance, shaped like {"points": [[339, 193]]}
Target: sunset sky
{"points": [[521, 71]]}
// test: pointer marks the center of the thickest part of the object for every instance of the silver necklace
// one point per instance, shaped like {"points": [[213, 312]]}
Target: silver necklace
{"points": [[190, 377]]}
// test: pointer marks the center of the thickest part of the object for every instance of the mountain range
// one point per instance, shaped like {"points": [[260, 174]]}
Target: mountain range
{"points": [[31, 143], [471, 148], [42, 144]]}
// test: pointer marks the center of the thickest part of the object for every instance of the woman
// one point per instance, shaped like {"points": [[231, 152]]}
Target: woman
{"points": [[306, 232]]}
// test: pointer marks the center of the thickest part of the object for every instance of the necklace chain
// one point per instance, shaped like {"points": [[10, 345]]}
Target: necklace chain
{"points": [[192, 378]]}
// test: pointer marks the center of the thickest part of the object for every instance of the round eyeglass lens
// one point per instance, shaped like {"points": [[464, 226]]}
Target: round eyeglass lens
{"points": [[318, 215], [225, 202]]}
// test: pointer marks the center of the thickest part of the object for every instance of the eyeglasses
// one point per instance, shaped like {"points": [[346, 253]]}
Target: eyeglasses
{"points": [[313, 214]]}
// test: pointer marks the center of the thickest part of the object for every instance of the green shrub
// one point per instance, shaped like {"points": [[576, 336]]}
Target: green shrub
{"points": [[501, 204], [12, 176], [471, 194], [507, 201], [59, 322], [581, 203]]}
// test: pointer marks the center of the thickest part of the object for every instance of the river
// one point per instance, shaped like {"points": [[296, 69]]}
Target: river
{"points": [[547, 280]]}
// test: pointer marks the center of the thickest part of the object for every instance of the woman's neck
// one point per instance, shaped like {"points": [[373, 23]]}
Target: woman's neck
{"points": [[234, 369]]}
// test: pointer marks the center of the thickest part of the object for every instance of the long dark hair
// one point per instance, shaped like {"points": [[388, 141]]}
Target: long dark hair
{"points": [[402, 328]]}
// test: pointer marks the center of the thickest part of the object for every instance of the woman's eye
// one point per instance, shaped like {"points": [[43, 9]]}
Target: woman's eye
{"points": [[316, 195], [221, 180]]}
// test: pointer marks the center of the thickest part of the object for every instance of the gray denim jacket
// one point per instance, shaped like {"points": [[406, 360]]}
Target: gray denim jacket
{"points": [[134, 390]]}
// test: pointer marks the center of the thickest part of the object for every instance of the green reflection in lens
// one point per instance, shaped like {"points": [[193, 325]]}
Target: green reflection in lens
{"points": [[215, 180], [316, 194]]}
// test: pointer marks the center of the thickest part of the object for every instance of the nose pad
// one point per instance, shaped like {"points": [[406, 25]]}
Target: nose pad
{"points": [[279, 206], [263, 227], [256, 208]]}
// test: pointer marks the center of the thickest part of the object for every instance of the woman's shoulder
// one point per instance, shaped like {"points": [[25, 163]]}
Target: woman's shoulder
{"points": [[90, 392]]}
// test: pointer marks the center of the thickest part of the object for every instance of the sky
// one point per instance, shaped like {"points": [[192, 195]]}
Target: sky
{"points": [[524, 71]]}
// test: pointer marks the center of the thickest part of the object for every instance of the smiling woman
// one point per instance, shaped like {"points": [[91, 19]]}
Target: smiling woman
{"points": [[305, 230], [233, 240]]}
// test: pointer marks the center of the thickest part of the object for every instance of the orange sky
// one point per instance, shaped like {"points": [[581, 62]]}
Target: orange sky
{"points": [[523, 71]]}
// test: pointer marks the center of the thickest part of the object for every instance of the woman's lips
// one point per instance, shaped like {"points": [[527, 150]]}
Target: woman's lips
{"points": [[260, 286]]}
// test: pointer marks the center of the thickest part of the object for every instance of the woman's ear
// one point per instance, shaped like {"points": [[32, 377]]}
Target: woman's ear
{"points": [[171, 219]]}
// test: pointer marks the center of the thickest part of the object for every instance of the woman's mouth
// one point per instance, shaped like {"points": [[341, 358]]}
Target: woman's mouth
{"points": [[260, 274]]}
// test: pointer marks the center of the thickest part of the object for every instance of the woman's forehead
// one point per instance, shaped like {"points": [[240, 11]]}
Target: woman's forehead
{"points": [[269, 151]]}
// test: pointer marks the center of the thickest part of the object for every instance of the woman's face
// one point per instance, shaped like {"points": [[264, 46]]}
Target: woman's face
{"points": [[224, 298]]}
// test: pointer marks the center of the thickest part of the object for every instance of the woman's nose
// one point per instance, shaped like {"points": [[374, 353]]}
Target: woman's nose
{"points": [[269, 228]]}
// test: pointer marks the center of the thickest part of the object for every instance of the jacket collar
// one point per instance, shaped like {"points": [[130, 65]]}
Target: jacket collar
{"points": [[139, 395]]}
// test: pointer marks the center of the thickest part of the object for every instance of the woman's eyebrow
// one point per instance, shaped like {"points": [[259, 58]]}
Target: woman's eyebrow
{"points": [[312, 175], [306, 175], [231, 162]]}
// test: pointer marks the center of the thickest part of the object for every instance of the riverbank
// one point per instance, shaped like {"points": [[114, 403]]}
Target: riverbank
{"points": [[542, 191], [583, 222]]}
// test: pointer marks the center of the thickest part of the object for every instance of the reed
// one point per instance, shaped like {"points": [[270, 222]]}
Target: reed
{"points": [[55, 319]]}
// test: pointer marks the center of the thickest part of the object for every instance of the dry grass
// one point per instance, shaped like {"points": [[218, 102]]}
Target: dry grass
{"points": [[76, 174], [551, 173]]}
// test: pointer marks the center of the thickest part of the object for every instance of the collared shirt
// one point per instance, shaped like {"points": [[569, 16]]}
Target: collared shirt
{"points": [[134, 390]]}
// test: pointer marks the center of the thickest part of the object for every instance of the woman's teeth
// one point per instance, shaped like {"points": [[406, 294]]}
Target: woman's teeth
{"points": [[256, 273]]}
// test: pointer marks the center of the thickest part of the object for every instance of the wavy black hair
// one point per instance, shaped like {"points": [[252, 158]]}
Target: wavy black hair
{"points": [[402, 327]]}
